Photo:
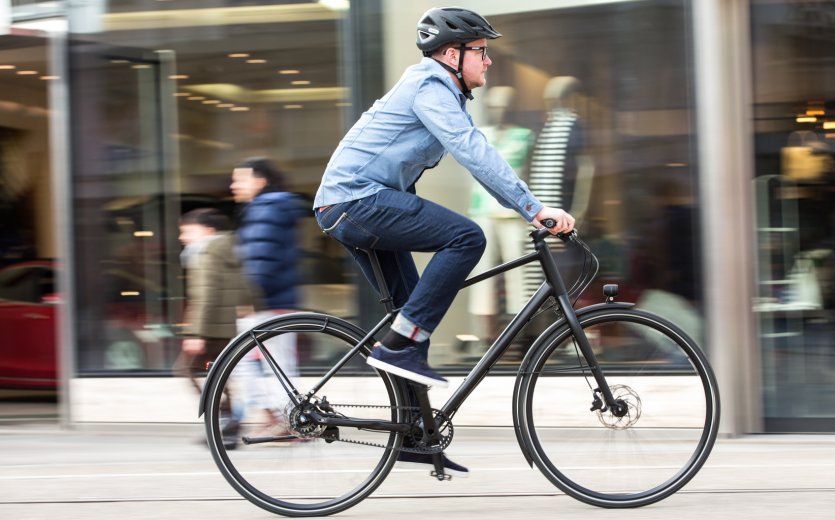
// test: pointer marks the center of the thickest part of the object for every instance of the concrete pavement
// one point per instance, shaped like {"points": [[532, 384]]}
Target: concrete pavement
{"points": [[147, 471]]}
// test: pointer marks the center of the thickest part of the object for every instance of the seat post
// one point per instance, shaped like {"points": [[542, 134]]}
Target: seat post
{"points": [[382, 286]]}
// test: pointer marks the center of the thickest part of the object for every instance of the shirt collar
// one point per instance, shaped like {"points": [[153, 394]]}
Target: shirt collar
{"points": [[436, 67]]}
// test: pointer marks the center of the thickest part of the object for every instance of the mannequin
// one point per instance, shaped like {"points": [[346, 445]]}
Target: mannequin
{"points": [[561, 172], [502, 227]]}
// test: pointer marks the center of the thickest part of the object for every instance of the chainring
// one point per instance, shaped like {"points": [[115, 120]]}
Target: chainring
{"points": [[413, 441]]}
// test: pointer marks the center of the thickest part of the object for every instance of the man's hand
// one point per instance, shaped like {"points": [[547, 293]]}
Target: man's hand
{"points": [[194, 346], [565, 222]]}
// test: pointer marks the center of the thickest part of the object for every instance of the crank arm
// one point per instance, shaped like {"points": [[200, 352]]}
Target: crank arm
{"points": [[272, 438]]}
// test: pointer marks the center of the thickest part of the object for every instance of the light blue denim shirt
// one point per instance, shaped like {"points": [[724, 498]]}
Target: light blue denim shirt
{"points": [[409, 130]]}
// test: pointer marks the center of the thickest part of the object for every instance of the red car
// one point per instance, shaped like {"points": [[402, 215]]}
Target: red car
{"points": [[27, 326]]}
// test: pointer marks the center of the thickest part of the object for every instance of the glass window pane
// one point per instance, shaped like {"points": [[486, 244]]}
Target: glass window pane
{"points": [[593, 107], [167, 99], [794, 141]]}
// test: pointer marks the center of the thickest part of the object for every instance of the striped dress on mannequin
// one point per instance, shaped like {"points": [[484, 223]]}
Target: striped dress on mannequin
{"points": [[552, 177]]}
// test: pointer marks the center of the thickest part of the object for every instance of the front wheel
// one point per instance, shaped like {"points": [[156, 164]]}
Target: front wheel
{"points": [[641, 454], [258, 427]]}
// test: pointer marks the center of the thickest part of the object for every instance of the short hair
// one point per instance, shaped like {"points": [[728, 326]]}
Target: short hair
{"points": [[208, 217], [265, 169]]}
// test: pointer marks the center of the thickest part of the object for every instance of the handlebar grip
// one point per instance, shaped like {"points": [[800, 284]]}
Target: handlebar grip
{"points": [[565, 237]]}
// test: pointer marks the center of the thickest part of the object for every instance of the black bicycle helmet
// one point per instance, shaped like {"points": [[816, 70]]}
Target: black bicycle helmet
{"points": [[442, 25]]}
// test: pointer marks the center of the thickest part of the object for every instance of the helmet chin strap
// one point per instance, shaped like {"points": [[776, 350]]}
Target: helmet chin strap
{"points": [[459, 74]]}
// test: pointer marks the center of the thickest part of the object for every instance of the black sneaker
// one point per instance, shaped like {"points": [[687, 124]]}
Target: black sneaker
{"points": [[425, 460], [406, 363]]}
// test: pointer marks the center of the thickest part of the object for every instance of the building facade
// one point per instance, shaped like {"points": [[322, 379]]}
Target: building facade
{"points": [[693, 141]]}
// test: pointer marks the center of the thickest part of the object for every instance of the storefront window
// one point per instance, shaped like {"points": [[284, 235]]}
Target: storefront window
{"points": [[167, 97], [794, 185], [28, 252]]}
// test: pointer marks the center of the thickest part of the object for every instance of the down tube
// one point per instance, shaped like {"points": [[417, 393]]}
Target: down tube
{"points": [[496, 350]]}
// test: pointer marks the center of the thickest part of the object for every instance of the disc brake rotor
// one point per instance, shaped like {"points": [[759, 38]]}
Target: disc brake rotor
{"points": [[629, 398]]}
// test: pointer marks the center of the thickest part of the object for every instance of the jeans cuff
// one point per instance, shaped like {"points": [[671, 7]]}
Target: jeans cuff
{"points": [[405, 327]]}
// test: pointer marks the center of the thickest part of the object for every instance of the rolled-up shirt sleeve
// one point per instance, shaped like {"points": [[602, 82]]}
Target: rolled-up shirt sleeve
{"points": [[440, 110]]}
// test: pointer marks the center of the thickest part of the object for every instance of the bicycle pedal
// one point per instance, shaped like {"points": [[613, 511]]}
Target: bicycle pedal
{"points": [[331, 434], [440, 476]]}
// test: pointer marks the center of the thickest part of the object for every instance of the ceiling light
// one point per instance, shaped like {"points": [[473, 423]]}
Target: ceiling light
{"points": [[239, 109], [196, 98], [829, 125], [244, 96], [7, 67], [226, 105], [178, 76], [211, 102], [182, 94], [141, 66], [300, 82], [239, 55], [293, 107], [27, 72], [49, 78], [289, 71], [806, 119], [336, 5], [256, 61], [815, 112], [215, 16]]}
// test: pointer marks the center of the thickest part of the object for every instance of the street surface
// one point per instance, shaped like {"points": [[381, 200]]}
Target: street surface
{"points": [[107, 472]]}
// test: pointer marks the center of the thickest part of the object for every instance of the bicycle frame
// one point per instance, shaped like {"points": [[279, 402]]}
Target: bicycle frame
{"points": [[552, 287]]}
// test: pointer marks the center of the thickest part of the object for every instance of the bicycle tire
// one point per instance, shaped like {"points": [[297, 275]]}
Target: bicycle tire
{"points": [[618, 462], [299, 473]]}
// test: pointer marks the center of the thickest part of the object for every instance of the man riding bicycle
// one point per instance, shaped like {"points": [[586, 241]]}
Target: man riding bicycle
{"points": [[367, 196]]}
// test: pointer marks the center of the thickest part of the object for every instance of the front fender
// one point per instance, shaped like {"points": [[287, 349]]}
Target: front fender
{"points": [[517, 388]]}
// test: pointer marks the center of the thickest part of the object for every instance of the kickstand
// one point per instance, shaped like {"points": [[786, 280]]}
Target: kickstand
{"points": [[430, 429]]}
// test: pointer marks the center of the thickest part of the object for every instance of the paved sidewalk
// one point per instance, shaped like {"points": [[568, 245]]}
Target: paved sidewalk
{"points": [[161, 473]]}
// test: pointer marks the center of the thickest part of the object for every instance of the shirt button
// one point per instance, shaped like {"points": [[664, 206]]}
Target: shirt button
{"points": [[528, 207]]}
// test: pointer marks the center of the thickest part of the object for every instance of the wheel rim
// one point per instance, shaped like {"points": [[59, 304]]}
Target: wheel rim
{"points": [[666, 435], [307, 476]]}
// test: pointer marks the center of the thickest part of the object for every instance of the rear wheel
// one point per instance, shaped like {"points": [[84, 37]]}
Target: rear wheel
{"points": [[264, 443], [626, 458]]}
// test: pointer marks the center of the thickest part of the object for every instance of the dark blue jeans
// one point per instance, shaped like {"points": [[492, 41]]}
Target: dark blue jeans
{"points": [[395, 223]]}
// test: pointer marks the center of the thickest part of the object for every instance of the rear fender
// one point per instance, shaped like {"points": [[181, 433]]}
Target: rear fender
{"points": [[273, 323]]}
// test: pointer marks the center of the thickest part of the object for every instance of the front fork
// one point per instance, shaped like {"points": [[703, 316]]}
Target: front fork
{"points": [[608, 401]]}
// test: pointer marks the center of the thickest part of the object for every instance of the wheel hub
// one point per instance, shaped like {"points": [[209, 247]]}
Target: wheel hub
{"points": [[626, 411]]}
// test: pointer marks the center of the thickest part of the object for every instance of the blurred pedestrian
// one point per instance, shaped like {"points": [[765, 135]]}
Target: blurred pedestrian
{"points": [[217, 294], [268, 250]]}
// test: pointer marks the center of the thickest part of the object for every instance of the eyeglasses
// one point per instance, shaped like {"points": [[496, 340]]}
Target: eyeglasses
{"points": [[483, 50]]}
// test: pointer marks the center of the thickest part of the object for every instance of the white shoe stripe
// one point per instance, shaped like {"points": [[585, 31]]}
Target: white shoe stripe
{"points": [[405, 373]]}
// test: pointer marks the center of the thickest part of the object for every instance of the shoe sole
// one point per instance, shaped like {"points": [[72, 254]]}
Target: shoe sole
{"points": [[405, 374], [419, 465]]}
